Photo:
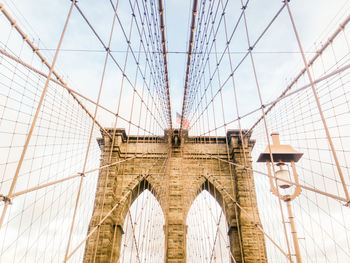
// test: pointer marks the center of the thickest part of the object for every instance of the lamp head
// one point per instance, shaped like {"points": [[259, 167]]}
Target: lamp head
{"points": [[280, 152]]}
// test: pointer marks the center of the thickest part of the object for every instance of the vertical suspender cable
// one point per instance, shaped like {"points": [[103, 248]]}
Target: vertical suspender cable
{"points": [[190, 46], [317, 100], [162, 29], [30, 133]]}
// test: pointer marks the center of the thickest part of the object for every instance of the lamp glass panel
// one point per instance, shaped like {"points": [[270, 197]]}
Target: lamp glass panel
{"points": [[283, 174]]}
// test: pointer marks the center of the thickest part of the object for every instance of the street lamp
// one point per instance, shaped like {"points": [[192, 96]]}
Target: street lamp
{"points": [[284, 188]]}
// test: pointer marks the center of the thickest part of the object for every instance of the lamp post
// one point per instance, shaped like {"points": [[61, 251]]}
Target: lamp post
{"points": [[279, 154]]}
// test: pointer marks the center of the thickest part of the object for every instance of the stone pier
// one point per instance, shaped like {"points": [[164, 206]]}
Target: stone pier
{"points": [[176, 167]]}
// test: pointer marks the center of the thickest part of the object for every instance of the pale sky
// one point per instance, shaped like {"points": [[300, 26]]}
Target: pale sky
{"points": [[83, 69], [80, 62]]}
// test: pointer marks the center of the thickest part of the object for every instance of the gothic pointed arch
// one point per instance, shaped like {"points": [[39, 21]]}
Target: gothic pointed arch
{"points": [[135, 189], [207, 228], [143, 237]]}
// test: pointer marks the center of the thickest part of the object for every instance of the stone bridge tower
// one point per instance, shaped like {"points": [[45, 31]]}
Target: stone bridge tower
{"points": [[191, 165]]}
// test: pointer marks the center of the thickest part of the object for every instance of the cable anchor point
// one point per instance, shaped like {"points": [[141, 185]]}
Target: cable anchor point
{"points": [[5, 199]]}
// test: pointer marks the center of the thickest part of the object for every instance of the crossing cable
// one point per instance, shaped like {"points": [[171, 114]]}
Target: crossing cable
{"points": [[308, 125], [162, 76], [143, 154], [165, 167], [90, 137], [238, 119], [329, 138], [318, 53], [275, 101], [208, 50], [162, 29], [12, 81], [224, 208], [139, 218], [200, 62], [48, 114], [156, 84], [133, 233], [177, 52], [119, 66], [205, 39], [74, 92], [133, 225], [153, 40], [305, 209], [156, 48], [215, 238], [29, 135], [201, 141], [123, 198], [16, 194], [263, 110], [212, 100], [138, 187], [200, 74], [190, 46], [221, 57], [252, 61], [233, 187], [114, 135], [218, 232], [200, 41], [345, 228], [35, 49], [205, 211], [338, 198], [246, 213], [132, 7], [250, 49], [243, 142], [164, 70]]}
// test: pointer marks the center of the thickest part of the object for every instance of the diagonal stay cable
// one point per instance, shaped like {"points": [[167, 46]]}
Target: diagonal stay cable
{"points": [[198, 75], [190, 46], [319, 52], [247, 214], [208, 50], [43, 59], [338, 198], [74, 92], [16, 194], [120, 67], [32, 126], [166, 105], [124, 197], [274, 102], [162, 29], [240, 62]]}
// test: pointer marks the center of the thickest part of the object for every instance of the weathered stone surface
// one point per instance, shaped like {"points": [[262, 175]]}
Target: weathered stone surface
{"points": [[176, 171]]}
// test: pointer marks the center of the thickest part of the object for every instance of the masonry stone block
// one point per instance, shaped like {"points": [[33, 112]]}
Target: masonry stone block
{"points": [[176, 169]]}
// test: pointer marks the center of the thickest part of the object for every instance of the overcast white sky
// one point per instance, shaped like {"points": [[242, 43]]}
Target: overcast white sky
{"points": [[83, 69], [81, 62]]}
